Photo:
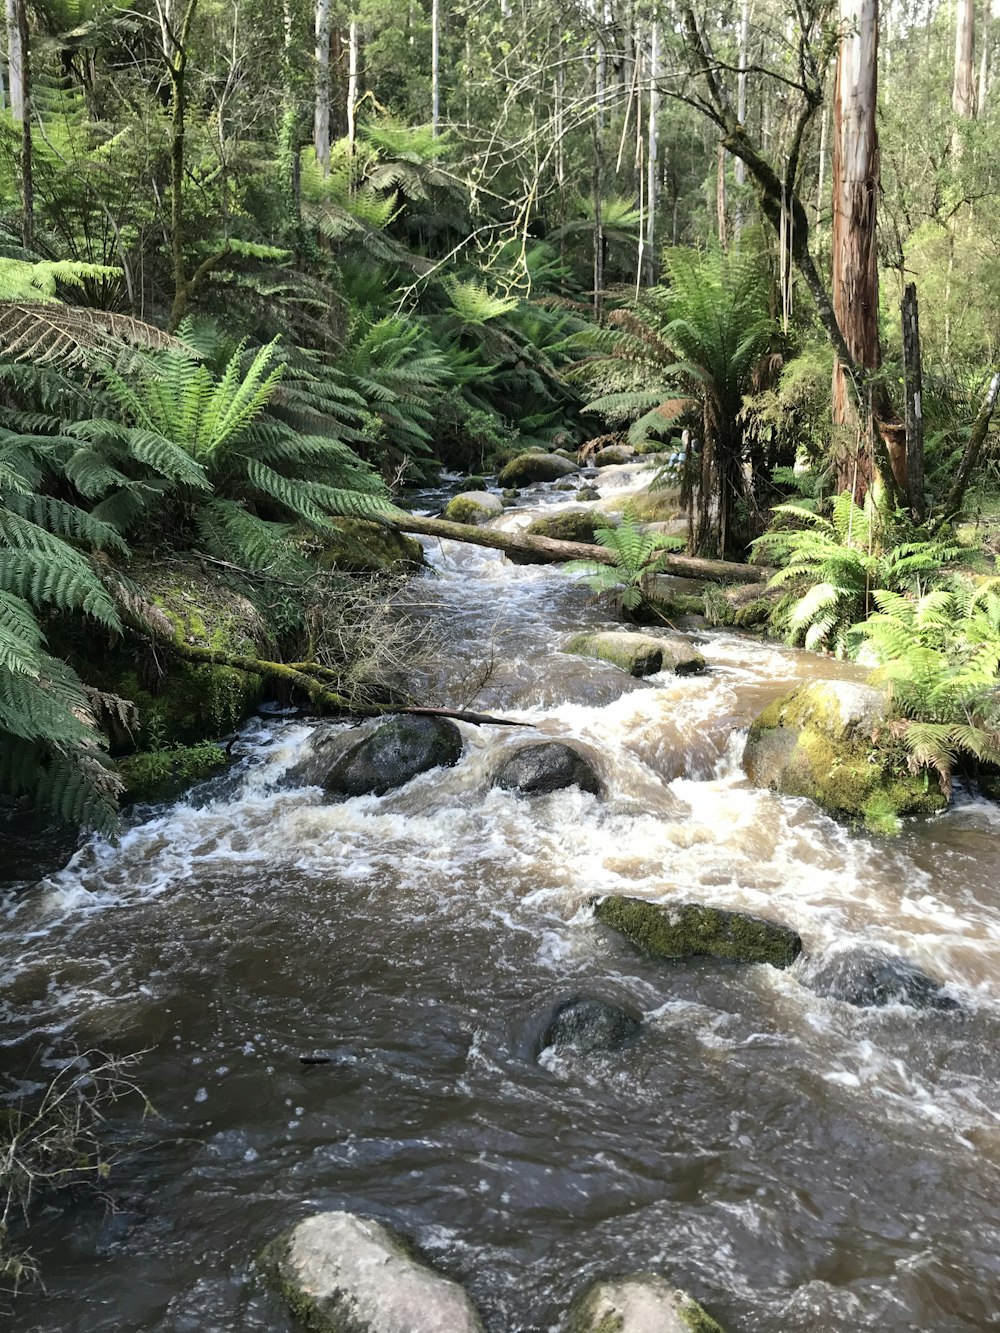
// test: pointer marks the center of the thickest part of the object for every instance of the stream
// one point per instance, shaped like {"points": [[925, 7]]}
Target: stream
{"points": [[798, 1165]]}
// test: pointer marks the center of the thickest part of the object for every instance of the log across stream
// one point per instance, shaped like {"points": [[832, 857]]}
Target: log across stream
{"points": [[798, 1164]]}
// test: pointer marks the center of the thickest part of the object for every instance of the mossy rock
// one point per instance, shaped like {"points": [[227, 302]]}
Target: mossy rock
{"points": [[689, 930], [472, 507], [475, 482], [829, 741], [639, 1303], [612, 456], [341, 1273], [639, 654], [162, 775], [651, 506], [531, 467], [395, 752], [180, 702], [361, 547], [567, 454], [568, 525], [660, 592], [588, 493]]}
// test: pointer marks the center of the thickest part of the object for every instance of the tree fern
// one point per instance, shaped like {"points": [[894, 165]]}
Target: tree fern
{"points": [[635, 552]]}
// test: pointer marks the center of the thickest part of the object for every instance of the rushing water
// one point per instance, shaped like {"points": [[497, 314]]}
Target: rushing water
{"points": [[799, 1165]]}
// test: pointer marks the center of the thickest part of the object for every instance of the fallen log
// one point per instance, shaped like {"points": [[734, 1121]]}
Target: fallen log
{"points": [[550, 550]]}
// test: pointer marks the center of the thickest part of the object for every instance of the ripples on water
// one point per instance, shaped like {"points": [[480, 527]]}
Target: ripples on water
{"points": [[798, 1164]]}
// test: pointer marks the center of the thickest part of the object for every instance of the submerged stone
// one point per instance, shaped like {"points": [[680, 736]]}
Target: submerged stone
{"points": [[341, 1273], [587, 1023], [546, 767], [394, 753], [531, 467], [639, 1303], [473, 507], [689, 930], [639, 654], [870, 978], [829, 741]]}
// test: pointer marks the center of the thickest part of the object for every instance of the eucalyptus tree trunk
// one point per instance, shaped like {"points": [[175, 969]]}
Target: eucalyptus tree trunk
{"points": [[321, 119], [855, 199], [352, 85], [27, 169], [963, 92], [435, 66], [741, 112], [984, 62], [652, 175], [15, 67], [913, 383]]}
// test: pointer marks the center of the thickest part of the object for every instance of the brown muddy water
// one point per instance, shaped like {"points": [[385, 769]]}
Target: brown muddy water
{"points": [[799, 1165]]}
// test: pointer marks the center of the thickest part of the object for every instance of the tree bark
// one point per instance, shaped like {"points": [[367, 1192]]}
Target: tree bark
{"points": [[914, 410], [435, 66], [321, 119], [549, 550], [855, 199], [352, 85], [14, 62], [652, 178], [27, 165], [963, 92]]}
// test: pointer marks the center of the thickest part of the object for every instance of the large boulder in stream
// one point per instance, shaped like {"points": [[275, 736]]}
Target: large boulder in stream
{"points": [[548, 766], [829, 740], [394, 753], [870, 978], [473, 507], [586, 1023], [689, 930], [530, 467], [639, 1303], [341, 1273], [639, 654], [568, 525]]}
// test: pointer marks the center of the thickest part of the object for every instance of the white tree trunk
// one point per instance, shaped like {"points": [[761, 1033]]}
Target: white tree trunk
{"points": [[15, 64], [321, 120], [984, 62], [652, 172], [352, 84], [741, 109], [435, 65]]}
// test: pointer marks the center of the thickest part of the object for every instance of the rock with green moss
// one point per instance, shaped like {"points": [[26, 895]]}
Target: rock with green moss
{"points": [[567, 454], [162, 775], [649, 506], [362, 547], [532, 467], [612, 456], [588, 493], [639, 654], [639, 1303], [181, 702], [341, 1273], [690, 930], [473, 507], [829, 741], [394, 753], [660, 592], [741, 605], [568, 525]]}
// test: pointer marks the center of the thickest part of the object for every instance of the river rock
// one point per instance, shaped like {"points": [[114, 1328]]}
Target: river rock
{"points": [[613, 456], [870, 978], [689, 930], [588, 493], [568, 525], [545, 767], [473, 507], [341, 1273], [530, 467], [587, 1023], [828, 741], [639, 1303], [394, 753], [639, 654]]}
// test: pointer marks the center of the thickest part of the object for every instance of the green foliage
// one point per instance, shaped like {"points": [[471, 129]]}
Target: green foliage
{"points": [[841, 561], [635, 558], [939, 654]]}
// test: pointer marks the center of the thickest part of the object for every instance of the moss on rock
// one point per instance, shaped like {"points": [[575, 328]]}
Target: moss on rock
{"points": [[363, 547], [689, 930], [612, 456], [472, 507], [742, 605], [568, 525], [829, 741], [162, 775], [535, 466], [180, 702]]}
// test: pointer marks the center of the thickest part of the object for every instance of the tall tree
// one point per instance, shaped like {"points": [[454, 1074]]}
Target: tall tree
{"points": [[321, 119]]}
